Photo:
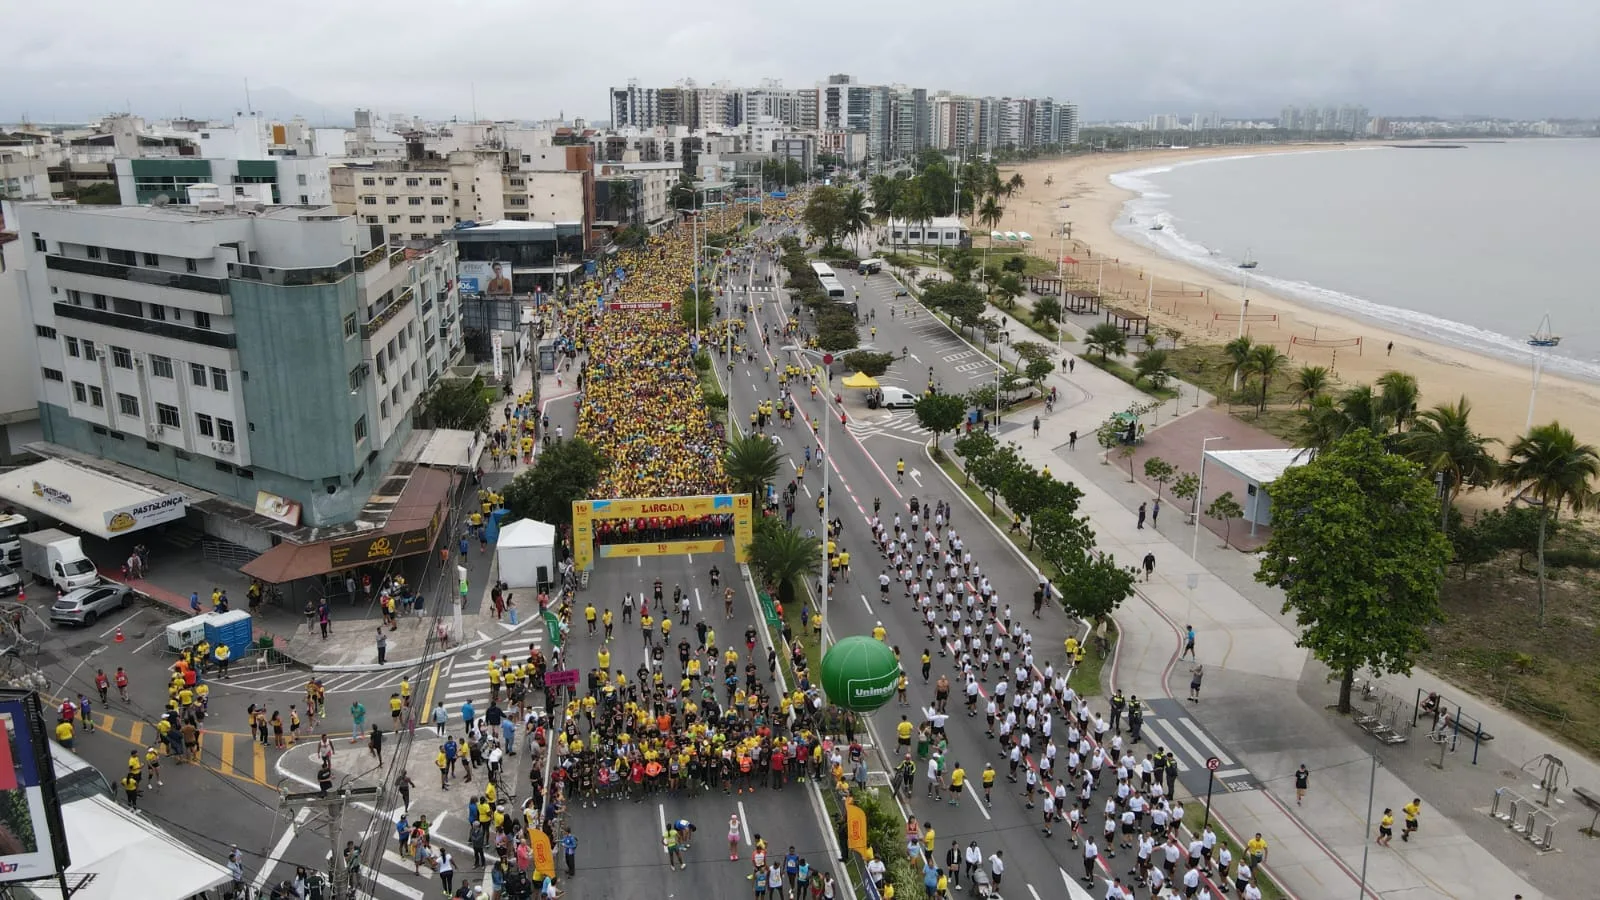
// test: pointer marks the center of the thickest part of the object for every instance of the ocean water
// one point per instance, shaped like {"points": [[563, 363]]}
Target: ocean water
{"points": [[1468, 247]]}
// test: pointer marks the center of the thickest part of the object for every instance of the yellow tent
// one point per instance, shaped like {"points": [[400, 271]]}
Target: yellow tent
{"points": [[859, 380]]}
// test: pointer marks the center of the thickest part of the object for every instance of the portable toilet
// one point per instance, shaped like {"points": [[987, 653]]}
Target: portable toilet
{"points": [[187, 633], [232, 628]]}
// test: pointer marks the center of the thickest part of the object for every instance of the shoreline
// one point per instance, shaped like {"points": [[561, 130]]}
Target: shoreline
{"points": [[1204, 306]]}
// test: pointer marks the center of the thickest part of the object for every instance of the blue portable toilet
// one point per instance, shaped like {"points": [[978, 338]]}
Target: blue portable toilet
{"points": [[234, 629]]}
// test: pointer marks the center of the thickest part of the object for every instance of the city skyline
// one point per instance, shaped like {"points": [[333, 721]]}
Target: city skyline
{"points": [[312, 60]]}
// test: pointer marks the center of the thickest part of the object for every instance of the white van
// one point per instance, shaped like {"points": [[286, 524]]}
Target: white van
{"points": [[894, 398]]}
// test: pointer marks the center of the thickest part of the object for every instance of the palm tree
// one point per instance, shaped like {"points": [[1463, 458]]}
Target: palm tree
{"points": [[1016, 183], [1550, 468], [1398, 397], [1266, 363], [885, 196], [1238, 353], [991, 212], [782, 556], [1009, 287], [683, 194], [1108, 339], [1047, 309], [856, 217], [1322, 424], [751, 463], [1309, 383], [1441, 440], [1363, 408]]}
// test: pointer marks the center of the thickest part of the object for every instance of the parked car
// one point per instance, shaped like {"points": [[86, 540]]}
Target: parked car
{"points": [[85, 605]]}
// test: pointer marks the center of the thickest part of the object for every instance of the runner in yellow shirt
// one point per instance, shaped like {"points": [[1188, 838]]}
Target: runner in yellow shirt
{"points": [[958, 782]]}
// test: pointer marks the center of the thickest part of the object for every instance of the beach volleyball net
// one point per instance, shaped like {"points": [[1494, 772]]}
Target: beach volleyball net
{"points": [[1248, 317], [1330, 343]]}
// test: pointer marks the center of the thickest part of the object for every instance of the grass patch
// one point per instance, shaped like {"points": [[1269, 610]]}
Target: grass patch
{"points": [[1024, 314], [1127, 374], [1035, 265], [1208, 367], [1087, 681]]}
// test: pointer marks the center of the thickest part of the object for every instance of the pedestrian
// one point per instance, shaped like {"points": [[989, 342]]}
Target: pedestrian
{"points": [[383, 645], [1155, 513], [1071, 364], [1302, 780], [1188, 643], [569, 850], [1035, 426], [1389, 350], [1149, 558], [1195, 674], [375, 743], [447, 871], [358, 721], [403, 785], [1386, 827], [1412, 811], [442, 760], [1142, 511], [440, 718]]}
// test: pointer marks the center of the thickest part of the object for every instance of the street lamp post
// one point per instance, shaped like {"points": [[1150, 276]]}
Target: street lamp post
{"points": [[822, 452], [1244, 307], [1199, 495]]}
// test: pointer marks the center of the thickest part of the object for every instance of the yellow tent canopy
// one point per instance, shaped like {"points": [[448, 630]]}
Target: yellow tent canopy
{"points": [[859, 380]]}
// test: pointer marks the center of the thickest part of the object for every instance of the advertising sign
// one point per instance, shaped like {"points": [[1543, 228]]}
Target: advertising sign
{"points": [[544, 861], [51, 494], [33, 843], [166, 508], [584, 512], [856, 828], [497, 349], [485, 279], [640, 304], [664, 548], [562, 678], [860, 673], [379, 547], [281, 509]]}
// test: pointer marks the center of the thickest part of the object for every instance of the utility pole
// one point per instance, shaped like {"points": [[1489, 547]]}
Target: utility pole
{"points": [[334, 804]]}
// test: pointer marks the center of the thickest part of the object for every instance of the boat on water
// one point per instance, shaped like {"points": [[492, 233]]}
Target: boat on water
{"points": [[1157, 227], [1249, 262], [1543, 336]]}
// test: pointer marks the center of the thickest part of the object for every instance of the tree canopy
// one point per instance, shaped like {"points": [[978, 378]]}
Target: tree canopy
{"points": [[1357, 550], [565, 471], [457, 403]]}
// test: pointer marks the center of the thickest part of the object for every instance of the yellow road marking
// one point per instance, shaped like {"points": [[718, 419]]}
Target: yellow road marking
{"points": [[104, 722], [226, 756], [427, 703], [136, 732], [260, 762]]}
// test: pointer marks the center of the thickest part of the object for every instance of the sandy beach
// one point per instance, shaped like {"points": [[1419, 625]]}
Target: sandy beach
{"points": [[1205, 307]]}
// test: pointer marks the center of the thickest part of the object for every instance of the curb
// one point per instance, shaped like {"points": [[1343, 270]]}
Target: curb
{"points": [[397, 664]]}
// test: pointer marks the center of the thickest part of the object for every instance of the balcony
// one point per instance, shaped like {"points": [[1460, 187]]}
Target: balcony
{"points": [[385, 315], [175, 331], [138, 274], [372, 258], [306, 277]]}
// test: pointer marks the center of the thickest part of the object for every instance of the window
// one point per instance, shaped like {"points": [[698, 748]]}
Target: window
{"points": [[161, 366], [121, 257], [93, 252], [416, 220], [167, 415], [300, 180], [436, 201], [99, 300], [223, 467], [369, 182], [53, 375], [177, 314], [519, 201], [197, 375], [219, 379], [355, 379], [413, 182], [438, 220], [518, 182], [244, 473], [126, 307], [225, 430], [383, 409], [361, 429], [45, 331], [75, 298], [401, 338], [350, 326], [203, 424], [121, 358], [152, 259], [394, 220], [414, 201], [389, 182], [369, 201], [72, 347], [152, 446], [96, 397], [39, 244], [391, 201], [79, 392], [305, 199], [372, 220], [435, 182], [89, 352], [190, 265], [128, 404], [202, 319]]}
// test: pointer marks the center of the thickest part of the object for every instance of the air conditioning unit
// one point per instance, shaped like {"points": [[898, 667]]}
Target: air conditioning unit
{"points": [[155, 428], [225, 447]]}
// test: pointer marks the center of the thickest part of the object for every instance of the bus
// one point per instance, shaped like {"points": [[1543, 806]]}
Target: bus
{"points": [[75, 777], [830, 281]]}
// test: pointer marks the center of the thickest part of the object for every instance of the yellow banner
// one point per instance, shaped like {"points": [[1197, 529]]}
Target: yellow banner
{"points": [[856, 827], [668, 548], [544, 861]]}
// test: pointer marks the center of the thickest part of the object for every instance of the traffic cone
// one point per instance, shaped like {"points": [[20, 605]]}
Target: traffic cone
{"points": [[119, 638]]}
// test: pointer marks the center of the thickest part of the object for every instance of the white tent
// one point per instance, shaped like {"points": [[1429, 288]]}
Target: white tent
{"points": [[526, 552], [117, 854]]}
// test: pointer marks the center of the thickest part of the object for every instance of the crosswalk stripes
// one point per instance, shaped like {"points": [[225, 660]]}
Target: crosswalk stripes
{"points": [[901, 424], [469, 678], [293, 681], [1168, 725]]}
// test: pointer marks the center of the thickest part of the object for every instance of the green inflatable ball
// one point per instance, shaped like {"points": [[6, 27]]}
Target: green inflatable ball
{"points": [[859, 673]]}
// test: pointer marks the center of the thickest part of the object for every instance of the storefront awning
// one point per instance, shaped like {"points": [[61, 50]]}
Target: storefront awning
{"points": [[412, 526], [89, 501], [116, 854]]}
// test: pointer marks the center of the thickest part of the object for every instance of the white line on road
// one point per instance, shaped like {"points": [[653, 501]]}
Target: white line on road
{"points": [[744, 823], [697, 605], [126, 620], [279, 848], [638, 561], [1205, 741], [866, 604], [1033, 892], [661, 812], [973, 790], [807, 489], [158, 636], [916, 475], [916, 357]]}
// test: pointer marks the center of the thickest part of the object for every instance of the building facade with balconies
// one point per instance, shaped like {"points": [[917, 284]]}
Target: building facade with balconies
{"points": [[235, 350]]}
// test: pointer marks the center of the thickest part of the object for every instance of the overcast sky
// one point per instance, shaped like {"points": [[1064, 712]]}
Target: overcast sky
{"points": [[534, 59]]}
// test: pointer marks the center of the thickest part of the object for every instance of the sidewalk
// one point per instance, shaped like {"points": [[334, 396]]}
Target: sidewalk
{"points": [[1265, 696]]}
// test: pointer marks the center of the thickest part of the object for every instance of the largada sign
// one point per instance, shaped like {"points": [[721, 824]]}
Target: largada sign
{"points": [[585, 512], [33, 843]]}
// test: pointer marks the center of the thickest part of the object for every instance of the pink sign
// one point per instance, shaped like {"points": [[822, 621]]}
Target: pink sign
{"points": [[561, 678]]}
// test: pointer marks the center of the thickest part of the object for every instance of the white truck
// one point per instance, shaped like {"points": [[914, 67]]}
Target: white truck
{"points": [[54, 557], [12, 528]]}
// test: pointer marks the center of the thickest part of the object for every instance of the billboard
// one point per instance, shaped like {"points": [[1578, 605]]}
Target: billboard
{"points": [[33, 843], [485, 279], [584, 512], [281, 509], [166, 508]]}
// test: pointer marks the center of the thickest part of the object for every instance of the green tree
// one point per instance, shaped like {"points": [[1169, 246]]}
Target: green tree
{"points": [[984, 397], [1027, 491], [1398, 396], [1310, 382], [855, 215], [1516, 528], [1227, 509], [940, 413], [751, 463], [1238, 353], [1363, 409], [683, 194], [99, 194], [1151, 365], [992, 469], [1186, 486], [1441, 439], [1063, 537], [1037, 370], [870, 363], [1047, 309], [566, 471], [688, 308], [991, 212], [1108, 339], [1093, 586], [1160, 471], [1266, 363], [461, 403], [973, 445], [1358, 554], [1016, 265], [783, 556], [1550, 469], [961, 265], [824, 214], [1008, 288]]}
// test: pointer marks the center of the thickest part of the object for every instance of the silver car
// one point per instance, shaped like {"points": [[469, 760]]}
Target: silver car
{"points": [[85, 605]]}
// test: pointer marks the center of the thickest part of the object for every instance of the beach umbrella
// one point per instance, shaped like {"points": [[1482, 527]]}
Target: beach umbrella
{"points": [[1011, 236], [1024, 235], [996, 236]]}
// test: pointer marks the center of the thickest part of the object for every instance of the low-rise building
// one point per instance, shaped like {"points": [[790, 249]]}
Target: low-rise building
{"points": [[940, 231]]}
